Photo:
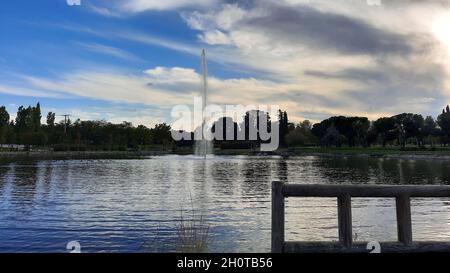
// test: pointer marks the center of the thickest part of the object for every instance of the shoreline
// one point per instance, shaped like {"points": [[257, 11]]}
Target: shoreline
{"points": [[69, 155], [299, 151], [386, 153]]}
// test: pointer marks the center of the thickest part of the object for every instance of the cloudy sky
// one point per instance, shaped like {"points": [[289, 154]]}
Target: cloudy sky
{"points": [[135, 59]]}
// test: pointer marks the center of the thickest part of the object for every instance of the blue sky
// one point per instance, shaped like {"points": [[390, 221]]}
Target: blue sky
{"points": [[135, 59]]}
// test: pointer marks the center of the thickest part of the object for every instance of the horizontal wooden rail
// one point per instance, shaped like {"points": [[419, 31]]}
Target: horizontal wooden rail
{"points": [[364, 190], [344, 193], [361, 247]]}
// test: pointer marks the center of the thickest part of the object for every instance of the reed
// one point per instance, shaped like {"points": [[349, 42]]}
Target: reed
{"points": [[193, 233]]}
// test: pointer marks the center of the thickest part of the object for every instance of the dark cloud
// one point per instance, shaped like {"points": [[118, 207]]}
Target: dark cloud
{"points": [[307, 98], [312, 115], [400, 89], [444, 3], [387, 88], [177, 87], [304, 25], [362, 75], [387, 74]]}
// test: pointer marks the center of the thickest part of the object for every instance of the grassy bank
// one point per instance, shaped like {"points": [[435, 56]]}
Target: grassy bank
{"points": [[372, 151], [22, 155], [391, 151]]}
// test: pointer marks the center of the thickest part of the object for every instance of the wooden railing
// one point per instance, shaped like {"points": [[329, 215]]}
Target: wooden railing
{"points": [[344, 193]]}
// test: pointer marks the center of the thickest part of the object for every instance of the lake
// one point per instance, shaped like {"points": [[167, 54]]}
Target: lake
{"points": [[136, 205]]}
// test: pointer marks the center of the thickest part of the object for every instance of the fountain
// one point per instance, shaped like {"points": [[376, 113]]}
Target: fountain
{"points": [[203, 146]]}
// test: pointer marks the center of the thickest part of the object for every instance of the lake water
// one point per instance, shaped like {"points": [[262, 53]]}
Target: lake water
{"points": [[136, 205]]}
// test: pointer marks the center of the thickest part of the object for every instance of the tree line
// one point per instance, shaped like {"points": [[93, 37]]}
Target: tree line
{"points": [[26, 129], [402, 129]]}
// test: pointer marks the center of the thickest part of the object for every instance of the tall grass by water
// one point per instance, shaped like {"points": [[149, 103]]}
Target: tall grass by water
{"points": [[193, 233]]}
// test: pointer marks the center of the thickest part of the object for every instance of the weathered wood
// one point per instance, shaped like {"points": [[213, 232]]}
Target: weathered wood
{"points": [[277, 217], [361, 247], [345, 220], [365, 190], [344, 193], [404, 226]]}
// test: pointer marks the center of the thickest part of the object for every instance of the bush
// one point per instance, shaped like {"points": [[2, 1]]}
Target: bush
{"points": [[68, 147], [296, 138], [235, 145]]}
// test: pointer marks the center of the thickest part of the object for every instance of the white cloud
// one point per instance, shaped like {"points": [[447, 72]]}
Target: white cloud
{"points": [[110, 86], [215, 37], [403, 63], [29, 92], [73, 2], [104, 11], [108, 50], [164, 87], [144, 5], [165, 74], [313, 58], [222, 18], [156, 41]]}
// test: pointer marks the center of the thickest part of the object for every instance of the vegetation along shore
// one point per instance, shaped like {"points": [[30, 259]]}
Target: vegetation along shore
{"points": [[405, 134]]}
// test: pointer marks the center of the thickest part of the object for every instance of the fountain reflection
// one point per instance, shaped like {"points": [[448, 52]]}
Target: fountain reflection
{"points": [[117, 205]]}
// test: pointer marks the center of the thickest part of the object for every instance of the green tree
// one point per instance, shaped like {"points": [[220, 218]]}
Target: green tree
{"points": [[51, 119], [409, 125], [430, 129], [143, 135], [161, 134], [444, 122], [283, 123], [4, 125], [36, 117], [386, 129], [353, 128], [4, 117], [301, 135], [333, 138]]}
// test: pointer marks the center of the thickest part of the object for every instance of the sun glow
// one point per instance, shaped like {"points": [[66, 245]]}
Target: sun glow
{"points": [[441, 29]]}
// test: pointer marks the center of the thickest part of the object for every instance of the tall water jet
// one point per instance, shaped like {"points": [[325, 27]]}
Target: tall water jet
{"points": [[204, 146]]}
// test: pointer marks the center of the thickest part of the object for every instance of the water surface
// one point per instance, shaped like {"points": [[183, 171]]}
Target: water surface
{"points": [[136, 205]]}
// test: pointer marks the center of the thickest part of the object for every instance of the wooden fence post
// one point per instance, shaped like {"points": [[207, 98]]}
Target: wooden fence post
{"points": [[277, 217], [345, 220], [404, 227]]}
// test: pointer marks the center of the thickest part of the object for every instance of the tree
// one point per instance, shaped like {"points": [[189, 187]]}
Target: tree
{"points": [[21, 117], [372, 135], [353, 128], [4, 125], [29, 118], [301, 135], [320, 129], [333, 138], [386, 129], [161, 134], [409, 125], [4, 117], [36, 117], [305, 125], [430, 129], [357, 129], [251, 125], [225, 126], [143, 135], [51, 119], [283, 124], [444, 122]]}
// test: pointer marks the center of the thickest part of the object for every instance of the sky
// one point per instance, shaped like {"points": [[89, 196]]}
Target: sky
{"points": [[134, 60]]}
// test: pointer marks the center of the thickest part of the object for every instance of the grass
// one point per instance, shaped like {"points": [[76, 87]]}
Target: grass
{"points": [[193, 234], [375, 150]]}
